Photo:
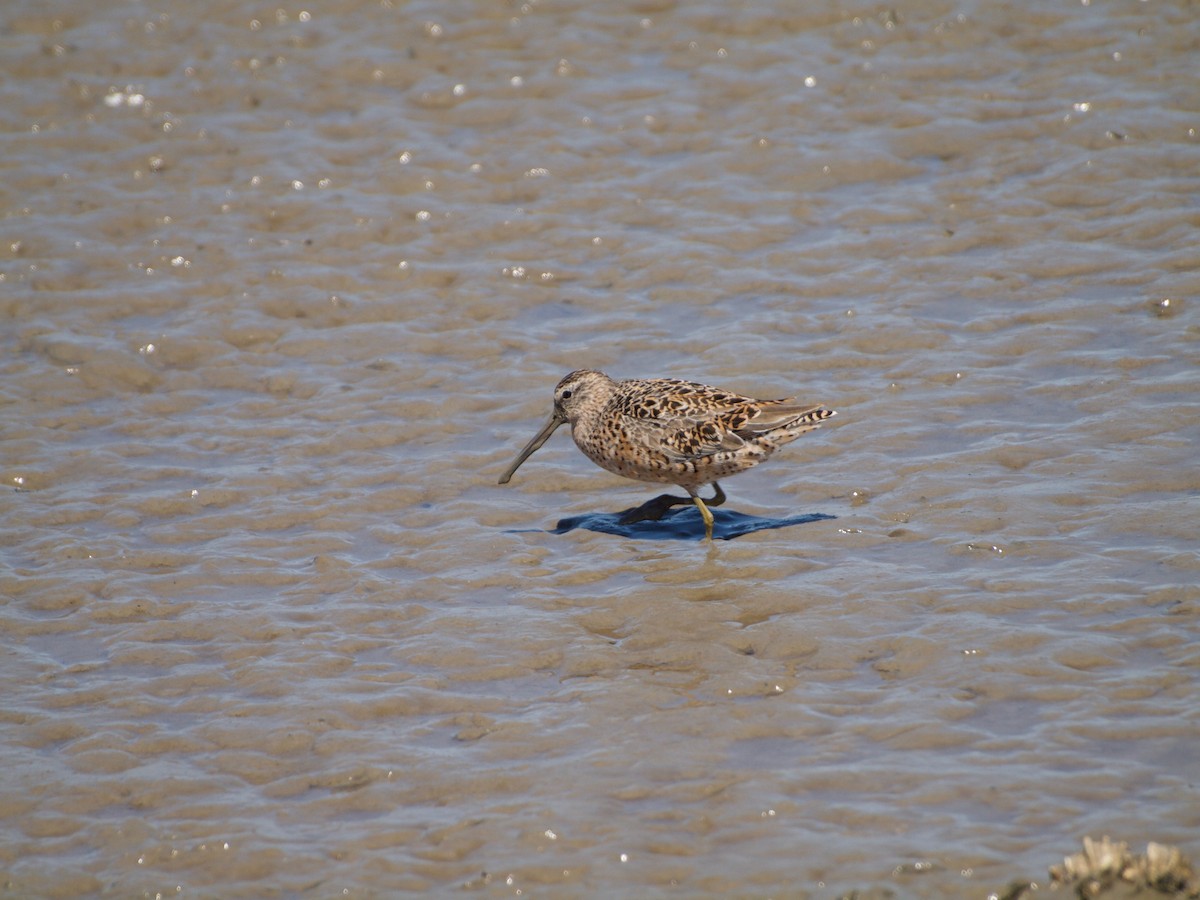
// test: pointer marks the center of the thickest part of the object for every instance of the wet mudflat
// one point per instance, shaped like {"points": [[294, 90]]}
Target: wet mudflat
{"points": [[282, 291]]}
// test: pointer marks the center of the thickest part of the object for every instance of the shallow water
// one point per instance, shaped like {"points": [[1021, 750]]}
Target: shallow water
{"points": [[282, 292]]}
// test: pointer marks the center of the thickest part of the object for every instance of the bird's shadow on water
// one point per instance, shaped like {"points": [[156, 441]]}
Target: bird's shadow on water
{"points": [[683, 524]]}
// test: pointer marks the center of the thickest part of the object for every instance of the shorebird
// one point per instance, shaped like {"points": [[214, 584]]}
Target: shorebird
{"points": [[671, 432]]}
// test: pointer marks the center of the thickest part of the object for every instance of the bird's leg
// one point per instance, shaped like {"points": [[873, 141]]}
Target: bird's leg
{"points": [[718, 498], [704, 514], [653, 510]]}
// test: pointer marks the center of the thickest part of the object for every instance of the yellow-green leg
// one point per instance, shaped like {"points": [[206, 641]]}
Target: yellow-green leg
{"points": [[718, 498], [653, 510], [705, 515]]}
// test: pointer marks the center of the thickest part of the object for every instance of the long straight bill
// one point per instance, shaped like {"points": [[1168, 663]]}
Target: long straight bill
{"points": [[540, 438]]}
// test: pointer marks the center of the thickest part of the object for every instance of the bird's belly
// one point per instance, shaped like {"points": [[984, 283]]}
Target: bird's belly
{"points": [[645, 464]]}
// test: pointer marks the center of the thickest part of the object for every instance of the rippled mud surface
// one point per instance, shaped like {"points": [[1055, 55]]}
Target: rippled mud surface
{"points": [[283, 290]]}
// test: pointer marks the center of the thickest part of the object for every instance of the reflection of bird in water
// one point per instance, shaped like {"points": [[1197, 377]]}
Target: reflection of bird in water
{"points": [[672, 432]]}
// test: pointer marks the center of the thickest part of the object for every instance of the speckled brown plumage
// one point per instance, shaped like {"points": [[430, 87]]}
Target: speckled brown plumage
{"points": [[671, 432]]}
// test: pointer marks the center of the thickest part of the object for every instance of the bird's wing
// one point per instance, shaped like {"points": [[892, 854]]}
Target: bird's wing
{"points": [[772, 414], [704, 430], [688, 420]]}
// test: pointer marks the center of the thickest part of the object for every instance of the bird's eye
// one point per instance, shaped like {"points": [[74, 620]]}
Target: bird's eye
{"points": [[566, 395]]}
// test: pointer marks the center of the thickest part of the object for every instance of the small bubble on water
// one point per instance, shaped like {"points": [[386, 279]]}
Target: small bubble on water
{"points": [[1164, 308], [992, 548]]}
